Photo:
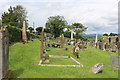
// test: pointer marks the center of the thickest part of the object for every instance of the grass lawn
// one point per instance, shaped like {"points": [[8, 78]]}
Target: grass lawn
{"points": [[23, 60]]}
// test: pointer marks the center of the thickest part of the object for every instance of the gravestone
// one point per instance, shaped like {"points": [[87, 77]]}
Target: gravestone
{"points": [[4, 52], [72, 41], [62, 40], [43, 55], [115, 61], [97, 68], [113, 47], [107, 47], [102, 45], [24, 37], [118, 45], [96, 41], [75, 50], [42, 44]]}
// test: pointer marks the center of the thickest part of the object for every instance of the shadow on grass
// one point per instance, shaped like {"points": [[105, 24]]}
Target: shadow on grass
{"points": [[16, 73]]}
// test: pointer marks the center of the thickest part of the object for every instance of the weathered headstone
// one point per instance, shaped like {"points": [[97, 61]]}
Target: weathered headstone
{"points": [[62, 40], [75, 50], [107, 47], [97, 68], [4, 52], [24, 37], [115, 61], [102, 45], [113, 47], [43, 55]]}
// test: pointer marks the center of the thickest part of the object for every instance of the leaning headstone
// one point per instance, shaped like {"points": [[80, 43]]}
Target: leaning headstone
{"points": [[24, 37], [4, 52], [97, 68]]}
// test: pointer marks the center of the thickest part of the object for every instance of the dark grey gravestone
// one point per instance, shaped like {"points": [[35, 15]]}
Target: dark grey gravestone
{"points": [[4, 50], [106, 47], [115, 61], [100, 45]]}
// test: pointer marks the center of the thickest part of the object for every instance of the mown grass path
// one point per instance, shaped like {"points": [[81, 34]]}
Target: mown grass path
{"points": [[23, 60]]}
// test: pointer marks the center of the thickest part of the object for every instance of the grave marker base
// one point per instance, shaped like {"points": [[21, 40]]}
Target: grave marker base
{"points": [[53, 56]]}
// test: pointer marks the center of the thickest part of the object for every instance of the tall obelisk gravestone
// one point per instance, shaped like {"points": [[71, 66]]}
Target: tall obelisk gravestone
{"points": [[42, 44], [24, 37], [96, 41], [72, 41], [4, 52], [71, 34], [62, 40]]}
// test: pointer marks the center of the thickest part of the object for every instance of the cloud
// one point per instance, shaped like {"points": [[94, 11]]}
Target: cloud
{"points": [[98, 15]]}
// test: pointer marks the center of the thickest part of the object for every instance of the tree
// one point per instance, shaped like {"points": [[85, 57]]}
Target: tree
{"points": [[56, 25], [30, 29], [105, 34], [15, 16], [47, 30], [69, 27], [67, 34], [78, 29], [113, 34], [39, 29]]}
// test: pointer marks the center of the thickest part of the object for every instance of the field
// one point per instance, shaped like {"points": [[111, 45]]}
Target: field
{"points": [[24, 59]]}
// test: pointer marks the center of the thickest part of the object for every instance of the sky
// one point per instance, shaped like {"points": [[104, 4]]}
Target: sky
{"points": [[100, 16]]}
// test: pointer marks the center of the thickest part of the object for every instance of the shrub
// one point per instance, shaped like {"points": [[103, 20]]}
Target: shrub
{"points": [[15, 34]]}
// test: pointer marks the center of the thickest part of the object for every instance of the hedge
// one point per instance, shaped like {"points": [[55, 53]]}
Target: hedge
{"points": [[15, 34]]}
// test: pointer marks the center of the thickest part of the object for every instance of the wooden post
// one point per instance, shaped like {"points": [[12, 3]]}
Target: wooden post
{"points": [[42, 44]]}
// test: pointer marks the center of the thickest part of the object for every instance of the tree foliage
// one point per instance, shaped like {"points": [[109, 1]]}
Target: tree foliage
{"points": [[30, 29], [15, 16], [67, 34], [56, 25], [39, 29], [105, 34], [15, 34], [113, 34], [78, 28]]}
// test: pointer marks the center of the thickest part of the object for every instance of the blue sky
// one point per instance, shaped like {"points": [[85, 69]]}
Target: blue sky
{"points": [[100, 16]]}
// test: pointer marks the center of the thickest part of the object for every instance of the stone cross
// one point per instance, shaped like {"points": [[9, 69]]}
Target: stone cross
{"points": [[24, 37]]}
